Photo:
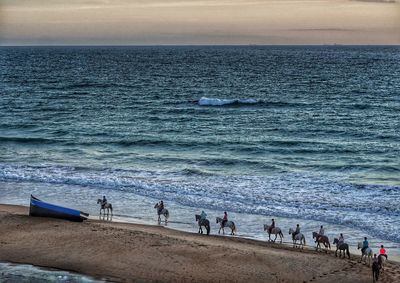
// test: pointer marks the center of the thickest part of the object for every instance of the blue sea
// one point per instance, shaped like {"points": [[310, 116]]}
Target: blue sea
{"points": [[304, 134]]}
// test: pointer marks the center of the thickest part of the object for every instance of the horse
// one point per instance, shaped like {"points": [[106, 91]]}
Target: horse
{"points": [[163, 211], [276, 231], [107, 206], [299, 237], [204, 223], [229, 224], [375, 271], [382, 260], [367, 253], [321, 239], [342, 247]]}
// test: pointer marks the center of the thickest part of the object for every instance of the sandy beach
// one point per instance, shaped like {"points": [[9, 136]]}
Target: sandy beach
{"points": [[123, 252]]}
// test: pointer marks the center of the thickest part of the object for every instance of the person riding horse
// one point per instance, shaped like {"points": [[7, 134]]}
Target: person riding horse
{"points": [[341, 239], [365, 245], [296, 232], [103, 202], [225, 219], [321, 232], [203, 216], [160, 207], [272, 226], [382, 252]]}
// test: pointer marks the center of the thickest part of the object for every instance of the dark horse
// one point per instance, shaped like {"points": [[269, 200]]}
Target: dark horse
{"points": [[204, 223], [321, 239], [375, 271], [342, 247]]}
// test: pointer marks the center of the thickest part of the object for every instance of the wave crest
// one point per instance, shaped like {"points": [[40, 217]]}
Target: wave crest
{"points": [[206, 101]]}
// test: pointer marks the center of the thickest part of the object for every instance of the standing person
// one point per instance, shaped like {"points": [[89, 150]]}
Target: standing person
{"points": [[225, 219], [382, 252], [272, 226], [365, 245]]}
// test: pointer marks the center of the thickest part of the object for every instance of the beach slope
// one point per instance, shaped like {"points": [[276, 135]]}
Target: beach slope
{"points": [[140, 253]]}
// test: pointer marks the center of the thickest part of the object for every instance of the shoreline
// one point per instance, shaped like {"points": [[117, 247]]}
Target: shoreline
{"points": [[125, 252]]}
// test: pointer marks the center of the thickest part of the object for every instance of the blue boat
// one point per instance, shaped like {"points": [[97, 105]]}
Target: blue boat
{"points": [[44, 209]]}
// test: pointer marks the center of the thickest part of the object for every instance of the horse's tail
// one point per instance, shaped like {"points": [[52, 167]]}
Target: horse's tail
{"points": [[348, 252], [304, 239], [111, 207], [234, 227], [166, 213], [280, 233], [208, 229]]}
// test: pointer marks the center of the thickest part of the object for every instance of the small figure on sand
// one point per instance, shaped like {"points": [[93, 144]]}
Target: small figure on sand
{"points": [[104, 204], [224, 222], [161, 210], [202, 221]]}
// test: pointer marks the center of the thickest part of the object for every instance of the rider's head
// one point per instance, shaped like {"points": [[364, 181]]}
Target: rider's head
{"points": [[273, 219], [341, 234], [104, 196], [224, 212], [382, 246], [365, 238], [297, 225]]}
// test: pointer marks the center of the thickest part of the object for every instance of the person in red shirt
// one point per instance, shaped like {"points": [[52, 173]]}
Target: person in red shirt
{"points": [[382, 252]]}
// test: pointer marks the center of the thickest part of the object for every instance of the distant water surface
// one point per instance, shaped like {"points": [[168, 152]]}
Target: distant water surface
{"points": [[304, 132]]}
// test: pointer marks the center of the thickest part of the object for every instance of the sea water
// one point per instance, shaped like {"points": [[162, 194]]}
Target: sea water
{"points": [[302, 134]]}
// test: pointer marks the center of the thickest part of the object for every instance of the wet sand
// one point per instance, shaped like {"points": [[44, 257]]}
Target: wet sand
{"points": [[123, 252]]}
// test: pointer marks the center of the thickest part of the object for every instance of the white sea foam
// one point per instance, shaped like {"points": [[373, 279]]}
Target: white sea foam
{"points": [[206, 101]]}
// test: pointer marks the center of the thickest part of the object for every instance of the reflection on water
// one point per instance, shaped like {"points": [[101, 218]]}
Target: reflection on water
{"points": [[19, 273]]}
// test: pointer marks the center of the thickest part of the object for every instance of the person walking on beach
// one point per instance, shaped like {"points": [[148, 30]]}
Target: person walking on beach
{"points": [[382, 252], [365, 245], [272, 226], [225, 219]]}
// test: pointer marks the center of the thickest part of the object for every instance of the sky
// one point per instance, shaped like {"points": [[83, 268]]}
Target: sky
{"points": [[180, 22]]}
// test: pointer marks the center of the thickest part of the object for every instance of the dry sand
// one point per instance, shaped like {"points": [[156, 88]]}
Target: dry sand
{"points": [[141, 253]]}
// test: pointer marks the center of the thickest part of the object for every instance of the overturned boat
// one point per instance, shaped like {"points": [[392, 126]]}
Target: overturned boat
{"points": [[44, 209]]}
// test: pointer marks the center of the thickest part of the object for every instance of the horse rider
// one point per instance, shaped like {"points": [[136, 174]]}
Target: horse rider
{"points": [[103, 202], [297, 231], [203, 216], [160, 207], [272, 226], [382, 252], [321, 232], [365, 245], [341, 239], [225, 219]]}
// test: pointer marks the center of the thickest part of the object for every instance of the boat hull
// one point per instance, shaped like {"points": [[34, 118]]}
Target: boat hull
{"points": [[43, 209]]}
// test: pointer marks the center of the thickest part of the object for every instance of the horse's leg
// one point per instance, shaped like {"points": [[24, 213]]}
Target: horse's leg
{"points": [[223, 231], [219, 231], [275, 237]]}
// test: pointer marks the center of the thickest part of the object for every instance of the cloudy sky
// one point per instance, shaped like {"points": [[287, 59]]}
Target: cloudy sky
{"points": [[137, 22]]}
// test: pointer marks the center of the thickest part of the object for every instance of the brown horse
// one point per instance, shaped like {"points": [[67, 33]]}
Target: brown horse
{"points": [[321, 239]]}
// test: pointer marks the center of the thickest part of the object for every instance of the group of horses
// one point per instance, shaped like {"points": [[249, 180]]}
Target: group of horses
{"points": [[298, 239]]}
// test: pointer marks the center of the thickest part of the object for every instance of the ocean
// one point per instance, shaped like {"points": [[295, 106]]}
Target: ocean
{"points": [[304, 134]]}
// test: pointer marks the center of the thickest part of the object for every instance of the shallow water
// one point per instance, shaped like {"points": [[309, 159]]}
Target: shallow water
{"points": [[21, 273], [307, 134]]}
